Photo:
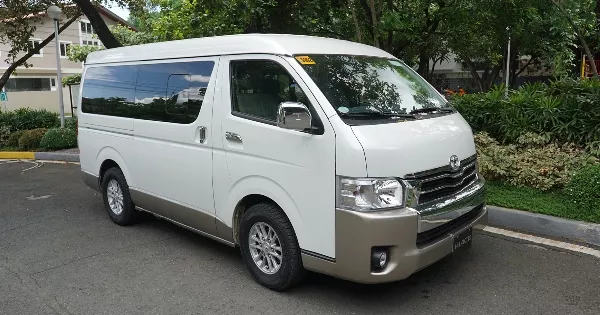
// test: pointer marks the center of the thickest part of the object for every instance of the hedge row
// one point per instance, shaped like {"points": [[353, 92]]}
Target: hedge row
{"points": [[565, 111]]}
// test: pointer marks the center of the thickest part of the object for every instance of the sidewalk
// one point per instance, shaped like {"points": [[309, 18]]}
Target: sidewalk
{"points": [[68, 155]]}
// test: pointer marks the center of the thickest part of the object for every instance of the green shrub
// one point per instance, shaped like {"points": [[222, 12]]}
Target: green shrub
{"points": [[4, 134], [584, 190], [13, 138], [59, 138], [533, 162], [30, 140], [71, 123], [28, 119], [567, 110]]}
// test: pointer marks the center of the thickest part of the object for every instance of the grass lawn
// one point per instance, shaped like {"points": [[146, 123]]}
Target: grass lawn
{"points": [[553, 203]]}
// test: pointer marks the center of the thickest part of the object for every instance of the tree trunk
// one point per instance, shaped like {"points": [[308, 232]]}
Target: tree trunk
{"points": [[493, 75], [374, 21], [390, 37], [474, 74], [515, 73], [423, 69], [435, 61], [356, 24], [371, 19], [589, 56], [104, 34], [584, 44], [33, 51]]}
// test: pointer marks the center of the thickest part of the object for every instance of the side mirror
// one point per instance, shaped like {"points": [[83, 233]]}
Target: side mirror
{"points": [[294, 116]]}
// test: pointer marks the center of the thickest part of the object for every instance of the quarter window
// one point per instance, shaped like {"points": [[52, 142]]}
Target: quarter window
{"points": [[259, 86]]}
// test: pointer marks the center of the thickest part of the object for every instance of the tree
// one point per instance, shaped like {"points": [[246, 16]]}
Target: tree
{"points": [[123, 34], [580, 16], [20, 19], [480, 35], [17, 27]]}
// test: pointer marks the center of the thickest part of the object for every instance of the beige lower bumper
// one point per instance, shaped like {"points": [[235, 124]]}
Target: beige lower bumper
{"points": [[357, 233]]}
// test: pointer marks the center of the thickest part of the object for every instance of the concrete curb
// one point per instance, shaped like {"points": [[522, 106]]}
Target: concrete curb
{"points": [[541, 224], [46, 156]]}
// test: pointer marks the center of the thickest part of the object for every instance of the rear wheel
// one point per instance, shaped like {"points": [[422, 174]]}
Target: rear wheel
{"points": [[270, 248], [117, 200]]}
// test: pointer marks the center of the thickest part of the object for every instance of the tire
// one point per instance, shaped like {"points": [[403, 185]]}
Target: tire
{"points": [[291, 271], [126, 213]]}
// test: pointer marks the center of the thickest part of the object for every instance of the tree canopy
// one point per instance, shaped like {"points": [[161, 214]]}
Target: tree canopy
{"points": [[421, 32]]}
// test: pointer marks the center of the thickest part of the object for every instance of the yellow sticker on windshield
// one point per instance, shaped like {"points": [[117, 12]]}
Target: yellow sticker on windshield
{"points": [[305, 60]]}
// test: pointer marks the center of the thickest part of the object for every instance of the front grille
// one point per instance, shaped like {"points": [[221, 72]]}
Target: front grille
{"points": [[431, 236], [443, 182]]}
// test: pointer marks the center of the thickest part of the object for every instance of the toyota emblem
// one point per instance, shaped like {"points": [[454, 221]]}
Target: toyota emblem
{"points": [[454, 163]]}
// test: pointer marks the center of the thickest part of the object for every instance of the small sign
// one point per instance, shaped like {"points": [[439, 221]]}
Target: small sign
{"points": [[3, 99], [305, 60]]}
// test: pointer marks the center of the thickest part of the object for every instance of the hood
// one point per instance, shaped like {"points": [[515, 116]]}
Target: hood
{"points": [[397, 149]]}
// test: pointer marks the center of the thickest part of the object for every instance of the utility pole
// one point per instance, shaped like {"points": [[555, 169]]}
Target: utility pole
{"points": [[507, 73]]}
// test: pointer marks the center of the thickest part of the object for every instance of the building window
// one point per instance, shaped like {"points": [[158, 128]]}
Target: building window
{"points": [[35, 43], [28, 84], [64, 49], [86, 42], [86, 28]]}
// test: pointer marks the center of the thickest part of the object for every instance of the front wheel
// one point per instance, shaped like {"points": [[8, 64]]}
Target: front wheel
{"points": [[269, 247]]}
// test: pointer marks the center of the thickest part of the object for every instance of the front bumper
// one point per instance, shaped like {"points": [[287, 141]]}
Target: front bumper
{"points": [[410, 247]]}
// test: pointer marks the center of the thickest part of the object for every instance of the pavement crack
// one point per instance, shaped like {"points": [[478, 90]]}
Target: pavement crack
{"points": [[24, 225], [97, 254], [32, 286]]}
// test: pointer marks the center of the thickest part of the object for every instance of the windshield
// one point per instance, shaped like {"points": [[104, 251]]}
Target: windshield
{"points": [[371, 85]]}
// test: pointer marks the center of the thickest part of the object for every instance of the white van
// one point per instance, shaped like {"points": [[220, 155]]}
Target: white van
{"points": [[307, 153]]}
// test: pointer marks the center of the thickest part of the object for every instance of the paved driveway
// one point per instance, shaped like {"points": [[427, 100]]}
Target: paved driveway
{"points": [[60, 254]]}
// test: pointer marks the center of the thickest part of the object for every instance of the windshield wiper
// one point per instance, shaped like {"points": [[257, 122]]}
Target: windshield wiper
{"points": [[373, 115], [431, 110]]}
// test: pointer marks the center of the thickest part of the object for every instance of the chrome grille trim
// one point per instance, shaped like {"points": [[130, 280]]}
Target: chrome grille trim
{"points": [[456, 175], [442, 183], [445, 168]]}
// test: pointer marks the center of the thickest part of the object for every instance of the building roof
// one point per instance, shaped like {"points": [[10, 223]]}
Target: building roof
{"points": [[101, 9], [278, 44]]}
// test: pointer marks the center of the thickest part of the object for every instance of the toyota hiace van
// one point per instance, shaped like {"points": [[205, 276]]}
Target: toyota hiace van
{"points": [[307, 153]]}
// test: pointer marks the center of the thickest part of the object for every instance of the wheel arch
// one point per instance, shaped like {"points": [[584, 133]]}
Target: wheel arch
{"points": [[254, 190], [109, 157]]}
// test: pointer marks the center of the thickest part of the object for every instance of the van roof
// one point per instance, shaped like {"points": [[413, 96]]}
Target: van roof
{"points": [[278, 44]]}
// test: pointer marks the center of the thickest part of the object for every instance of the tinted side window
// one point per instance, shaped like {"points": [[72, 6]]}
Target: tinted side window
{"points": [[259, 86], [172, 92], [169, 92], [109, 91]]}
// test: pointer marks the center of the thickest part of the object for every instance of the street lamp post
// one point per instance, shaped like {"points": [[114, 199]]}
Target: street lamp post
{"points": [[507, 73], [55, 13]]}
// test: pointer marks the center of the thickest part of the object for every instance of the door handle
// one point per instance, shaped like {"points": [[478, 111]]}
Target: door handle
{"points": [[233, 137], [202, 134]]}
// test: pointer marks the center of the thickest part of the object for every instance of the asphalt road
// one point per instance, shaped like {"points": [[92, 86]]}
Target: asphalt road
{"points": [[60, 254]]}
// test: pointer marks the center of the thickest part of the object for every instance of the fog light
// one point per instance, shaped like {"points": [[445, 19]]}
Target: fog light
{"points": [[379, 258]]}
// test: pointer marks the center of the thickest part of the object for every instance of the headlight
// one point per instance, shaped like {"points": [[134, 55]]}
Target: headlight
{"points": [[371, 194]]}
